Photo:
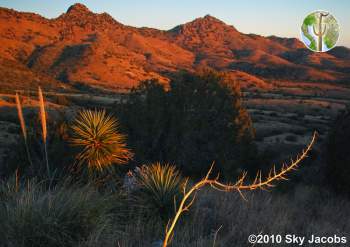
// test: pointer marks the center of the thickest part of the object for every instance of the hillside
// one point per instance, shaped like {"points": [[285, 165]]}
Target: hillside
{"points": [[80, 47]]}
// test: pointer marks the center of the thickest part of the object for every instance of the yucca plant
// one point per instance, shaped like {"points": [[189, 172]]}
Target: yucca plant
{"points": [[98, 136], [159, 187]]}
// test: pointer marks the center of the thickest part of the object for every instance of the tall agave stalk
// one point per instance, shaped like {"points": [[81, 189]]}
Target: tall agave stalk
{"points": [[23, 127], [44, 128]]}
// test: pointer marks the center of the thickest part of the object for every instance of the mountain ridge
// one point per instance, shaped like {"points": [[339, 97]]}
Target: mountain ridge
{"points": [[82, 47]]}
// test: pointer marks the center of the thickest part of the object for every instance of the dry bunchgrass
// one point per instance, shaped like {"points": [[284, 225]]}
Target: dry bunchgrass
{"points": [[302, 211], [65, 215]]}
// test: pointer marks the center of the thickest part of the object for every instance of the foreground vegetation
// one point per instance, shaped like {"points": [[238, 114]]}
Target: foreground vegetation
{"points": [[73, 181], [81, 216]]}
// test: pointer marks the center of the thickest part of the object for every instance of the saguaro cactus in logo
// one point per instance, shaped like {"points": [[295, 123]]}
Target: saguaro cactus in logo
{"points": [[320, 31]]}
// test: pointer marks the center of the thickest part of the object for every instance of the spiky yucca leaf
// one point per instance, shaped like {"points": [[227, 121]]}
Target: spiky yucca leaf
{"points": [[159, 187], [101, 142]]}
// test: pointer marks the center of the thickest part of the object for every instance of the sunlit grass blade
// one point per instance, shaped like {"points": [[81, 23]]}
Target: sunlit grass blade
{"points": [[42, 115], [23, 126], [44, 127], [20, 117]]}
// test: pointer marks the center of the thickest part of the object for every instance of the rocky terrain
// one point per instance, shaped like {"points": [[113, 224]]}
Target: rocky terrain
{"points": [[81, 49]]}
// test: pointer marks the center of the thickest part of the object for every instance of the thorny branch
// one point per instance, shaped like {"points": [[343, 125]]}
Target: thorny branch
{"points": [[239, 186]]}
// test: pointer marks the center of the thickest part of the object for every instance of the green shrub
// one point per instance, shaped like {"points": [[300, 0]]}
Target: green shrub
{"points": [[200, 119]]}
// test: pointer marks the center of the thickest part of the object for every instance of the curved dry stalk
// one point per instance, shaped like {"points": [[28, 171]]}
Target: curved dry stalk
{"points": [[258, 183]]}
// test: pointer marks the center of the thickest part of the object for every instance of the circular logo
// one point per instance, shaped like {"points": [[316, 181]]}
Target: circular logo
{"points": [[320, 31]]}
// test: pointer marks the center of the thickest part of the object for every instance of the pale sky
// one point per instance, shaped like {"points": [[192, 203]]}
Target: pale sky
{"points": [[264, 17]]}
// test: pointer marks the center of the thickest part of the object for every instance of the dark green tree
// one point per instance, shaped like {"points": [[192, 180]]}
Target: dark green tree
{"points": [[198, 120], [144, 115]]}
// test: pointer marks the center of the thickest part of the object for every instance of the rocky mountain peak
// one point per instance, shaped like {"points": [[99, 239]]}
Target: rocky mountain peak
{"points": [[78, 8], [207, 23]]}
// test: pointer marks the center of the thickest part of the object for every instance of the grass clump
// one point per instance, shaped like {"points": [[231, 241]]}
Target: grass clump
{"points": [[63, 216]]}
